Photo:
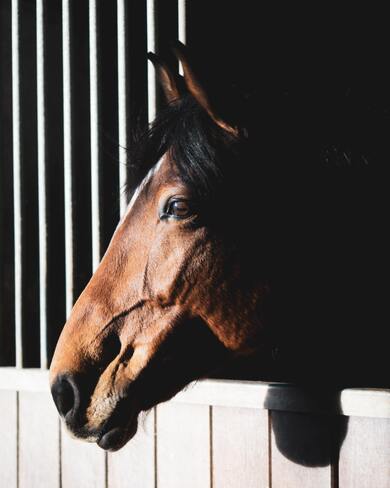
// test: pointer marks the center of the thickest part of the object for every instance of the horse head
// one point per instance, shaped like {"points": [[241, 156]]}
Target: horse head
{"points": [[175, 295]]}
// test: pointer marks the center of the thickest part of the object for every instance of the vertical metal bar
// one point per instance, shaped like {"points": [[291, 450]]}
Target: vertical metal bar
{"points": [[95, 150], [17, 183], [151, 45], [68, 189], [122, 103], [182, 31], [181, 12], [42, 210], [152, 110]]}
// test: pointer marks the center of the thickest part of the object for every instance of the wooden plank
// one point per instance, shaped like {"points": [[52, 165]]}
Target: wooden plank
{"points": [[301, 450], [39, 461], [239, 447], [365, 402], [82, 463], [133, 465], [362, 402], [30, 379], [9, 436], [365, 454], [183, 446], [224, 393]]}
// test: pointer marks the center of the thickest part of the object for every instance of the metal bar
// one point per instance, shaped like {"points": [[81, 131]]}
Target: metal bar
{"points": [[17, 183], [151, 45], [152, 110], [182, 31], [95, 150], [68, 189], [122, 103], [42, 209]]}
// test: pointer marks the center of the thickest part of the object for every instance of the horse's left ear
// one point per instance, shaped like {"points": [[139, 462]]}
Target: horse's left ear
{"points": [[197, 91], [169, 82]]}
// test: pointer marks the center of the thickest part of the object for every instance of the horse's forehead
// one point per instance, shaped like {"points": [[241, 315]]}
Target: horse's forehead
{"points": [[162, 172], [148, 178]]}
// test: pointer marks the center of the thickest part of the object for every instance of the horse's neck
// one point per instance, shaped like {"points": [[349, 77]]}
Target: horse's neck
{"points": [[326, 262]]}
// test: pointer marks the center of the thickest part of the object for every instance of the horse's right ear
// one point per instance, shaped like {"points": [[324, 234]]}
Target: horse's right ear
{"points": [[170, 83]]}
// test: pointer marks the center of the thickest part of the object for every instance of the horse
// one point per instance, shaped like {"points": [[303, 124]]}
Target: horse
{"points": [[252, 246]]}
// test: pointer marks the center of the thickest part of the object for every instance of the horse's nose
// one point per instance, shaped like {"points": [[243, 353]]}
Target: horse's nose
{"points": [[66, 395]]}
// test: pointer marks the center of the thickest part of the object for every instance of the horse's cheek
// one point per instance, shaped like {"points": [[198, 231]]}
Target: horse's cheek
{"points": [[163, 265]]}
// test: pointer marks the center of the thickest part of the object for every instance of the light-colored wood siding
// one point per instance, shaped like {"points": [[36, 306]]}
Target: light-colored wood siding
{"points": [[240, 447], [300, 450], [134, 464], [9, 438], [216, 434], [183, 446], [39, 460], [83, 464], [365, 454]]}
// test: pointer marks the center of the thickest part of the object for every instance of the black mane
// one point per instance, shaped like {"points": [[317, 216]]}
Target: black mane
{"points": [[200, 149], [287, 134]]}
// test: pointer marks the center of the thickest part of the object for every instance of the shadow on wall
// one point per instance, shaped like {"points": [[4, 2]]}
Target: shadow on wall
{"points": [[308, 439]]}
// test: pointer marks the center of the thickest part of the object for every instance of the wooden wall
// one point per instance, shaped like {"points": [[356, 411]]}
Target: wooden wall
{"points": [[217, 434]]}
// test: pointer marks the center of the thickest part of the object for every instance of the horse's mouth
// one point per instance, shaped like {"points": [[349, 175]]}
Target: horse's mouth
{"points": [[113, 438], [111, 434], [120, 427]]}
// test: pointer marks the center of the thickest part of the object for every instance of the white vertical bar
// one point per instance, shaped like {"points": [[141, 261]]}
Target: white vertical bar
{"points": [[151, 45], [68, 190], [182, 31], [152, 109], [95, 151], [17, 183], [42, 210], [122, 103]]}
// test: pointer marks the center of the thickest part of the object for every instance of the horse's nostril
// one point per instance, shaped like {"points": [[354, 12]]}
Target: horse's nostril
{"points": [[111, 348], [65, 394]]}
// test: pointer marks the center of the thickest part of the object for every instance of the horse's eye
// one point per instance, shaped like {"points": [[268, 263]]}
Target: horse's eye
{"points": [[178, 208]]}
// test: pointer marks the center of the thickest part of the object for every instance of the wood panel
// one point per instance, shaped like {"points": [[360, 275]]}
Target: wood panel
{"points": [[133, 465], [365, 454], [82, 463], [362, 402], [240, 447], [38, 441], [9, 436], [183, 446], [301, 450]]}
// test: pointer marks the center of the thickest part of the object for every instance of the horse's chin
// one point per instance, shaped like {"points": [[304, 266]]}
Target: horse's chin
{"points": [[113, 438], [119, 427], [110, 433]]}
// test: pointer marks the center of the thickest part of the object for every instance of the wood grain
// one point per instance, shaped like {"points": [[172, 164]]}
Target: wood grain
{"points": [[183, 446], [9, 436], [133, 465], [365, 454], [240, 447], [38, 441], [82, 464], [301, 450]]}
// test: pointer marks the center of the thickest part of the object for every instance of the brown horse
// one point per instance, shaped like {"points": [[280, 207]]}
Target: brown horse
{"points": [[226, 255]]}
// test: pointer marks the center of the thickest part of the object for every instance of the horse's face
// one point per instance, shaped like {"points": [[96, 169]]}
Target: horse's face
{"points": [[150, 319], [166, 305]]}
